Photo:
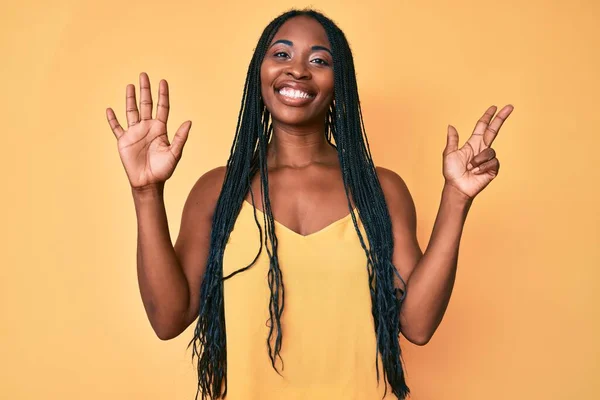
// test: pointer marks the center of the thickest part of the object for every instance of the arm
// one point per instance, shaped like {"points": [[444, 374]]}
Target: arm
{"points": [[170, 276], [430, 276], [431, 282]]}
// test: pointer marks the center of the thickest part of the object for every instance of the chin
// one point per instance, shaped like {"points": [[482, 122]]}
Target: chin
{"points": [[296, 116], [298, 122]]}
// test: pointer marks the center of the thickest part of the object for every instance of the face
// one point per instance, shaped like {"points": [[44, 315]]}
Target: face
{"points": [[297, 73]]}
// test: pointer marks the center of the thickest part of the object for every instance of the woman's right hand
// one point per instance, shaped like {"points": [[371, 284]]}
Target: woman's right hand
{"points": [[144, 148]]}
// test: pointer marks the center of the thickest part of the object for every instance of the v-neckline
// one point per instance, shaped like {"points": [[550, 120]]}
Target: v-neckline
{"points": [[310, 235]]}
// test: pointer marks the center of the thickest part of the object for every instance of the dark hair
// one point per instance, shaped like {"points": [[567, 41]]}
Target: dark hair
{"points": [[247, 157]]}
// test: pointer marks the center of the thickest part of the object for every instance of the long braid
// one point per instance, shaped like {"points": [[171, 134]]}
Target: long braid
{"points": [[360, 178], [248, 153], [209, 341]]}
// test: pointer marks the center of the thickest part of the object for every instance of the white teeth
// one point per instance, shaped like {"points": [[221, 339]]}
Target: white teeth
{"points": [[293, 93]]}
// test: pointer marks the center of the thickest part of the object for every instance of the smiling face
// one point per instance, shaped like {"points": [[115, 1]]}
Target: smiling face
{"points": [[297, 73]]}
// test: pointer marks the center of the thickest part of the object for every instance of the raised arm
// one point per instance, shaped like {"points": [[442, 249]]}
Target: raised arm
{"points": [[430, 276], [169, 277]]}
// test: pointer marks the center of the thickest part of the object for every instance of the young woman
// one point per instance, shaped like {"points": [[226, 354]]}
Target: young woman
{"points": [[342, 275]]}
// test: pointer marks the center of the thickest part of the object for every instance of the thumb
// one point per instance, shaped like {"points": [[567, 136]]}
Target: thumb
{"points": [[180, 138], [451, 140]]}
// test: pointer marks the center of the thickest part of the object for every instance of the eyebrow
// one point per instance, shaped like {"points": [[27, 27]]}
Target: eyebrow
{"points": [[289, 43]]}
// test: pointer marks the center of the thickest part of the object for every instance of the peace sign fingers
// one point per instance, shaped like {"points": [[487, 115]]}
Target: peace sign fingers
{"points": [[485, 132]]}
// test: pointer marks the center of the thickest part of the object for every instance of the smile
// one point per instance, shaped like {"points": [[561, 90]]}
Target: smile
{"points": [[294, 93]]}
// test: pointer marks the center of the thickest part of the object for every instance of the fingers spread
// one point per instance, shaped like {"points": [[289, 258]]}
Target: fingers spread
{"points": [[476, 138], [483, 122], [492, 130]]}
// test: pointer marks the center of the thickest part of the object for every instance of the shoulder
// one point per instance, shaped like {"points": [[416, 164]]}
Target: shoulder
{"points": [[388, 176], [403, 216], [397, 197], [393, 186], [198, 211], [205, 192], [213, 177], [210, 182]]}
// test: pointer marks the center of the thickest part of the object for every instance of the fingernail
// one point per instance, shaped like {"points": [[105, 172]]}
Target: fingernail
{"points": [[475, 170], [469, 166]]}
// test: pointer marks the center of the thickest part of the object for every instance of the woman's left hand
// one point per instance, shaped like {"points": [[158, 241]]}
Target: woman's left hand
{"points": [[472, 167]]}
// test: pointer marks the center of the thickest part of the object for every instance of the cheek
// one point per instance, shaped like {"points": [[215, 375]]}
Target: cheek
{"points": [[266, 79], [327, 84]]}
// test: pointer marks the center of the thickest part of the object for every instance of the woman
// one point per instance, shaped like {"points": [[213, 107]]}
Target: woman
{"points": [[348, 290]]}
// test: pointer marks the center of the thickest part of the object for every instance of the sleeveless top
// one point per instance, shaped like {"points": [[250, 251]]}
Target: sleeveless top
{"points": [[328, 336]]}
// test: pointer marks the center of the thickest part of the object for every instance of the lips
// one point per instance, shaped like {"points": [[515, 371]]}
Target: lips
{"points": [[294, 93]]}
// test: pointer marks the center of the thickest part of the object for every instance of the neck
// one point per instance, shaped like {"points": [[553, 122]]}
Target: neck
{"points": [[298, 147]]}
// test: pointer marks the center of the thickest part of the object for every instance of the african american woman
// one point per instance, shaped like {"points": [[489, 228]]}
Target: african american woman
{"points": [[303, 294]]}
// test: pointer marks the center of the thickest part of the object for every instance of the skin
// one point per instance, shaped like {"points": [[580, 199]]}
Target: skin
{"points": [[304, 173], [305, 188], [430, 276]]}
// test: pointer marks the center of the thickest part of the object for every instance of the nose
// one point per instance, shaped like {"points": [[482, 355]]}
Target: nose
{"points": [[298, 69]]}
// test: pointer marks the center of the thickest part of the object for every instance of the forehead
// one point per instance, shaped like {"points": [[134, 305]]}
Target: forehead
{"points": [[302, 29]]}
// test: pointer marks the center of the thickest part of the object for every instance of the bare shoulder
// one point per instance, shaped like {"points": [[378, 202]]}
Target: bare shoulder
{"points": [[403, 216], [200, 205], [208, 186], [394, 188]]}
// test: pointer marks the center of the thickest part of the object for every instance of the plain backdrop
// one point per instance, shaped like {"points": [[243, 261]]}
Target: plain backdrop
{"points": [[523, 319]]}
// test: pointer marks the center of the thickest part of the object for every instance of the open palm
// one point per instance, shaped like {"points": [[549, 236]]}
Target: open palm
{"points": [[144, 147], [473, 166]]}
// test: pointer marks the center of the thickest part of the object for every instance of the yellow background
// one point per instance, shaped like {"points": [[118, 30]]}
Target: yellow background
{"points": [[523, 319]]}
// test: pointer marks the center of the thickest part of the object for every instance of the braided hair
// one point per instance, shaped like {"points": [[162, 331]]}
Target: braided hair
{"points": [[344, 123]]}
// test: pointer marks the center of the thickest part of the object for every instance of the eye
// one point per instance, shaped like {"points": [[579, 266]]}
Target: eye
{"points": [[320, 61], [278, 54]]}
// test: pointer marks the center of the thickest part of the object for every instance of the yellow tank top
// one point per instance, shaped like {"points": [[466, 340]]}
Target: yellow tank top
{"points": [[328, 345]]}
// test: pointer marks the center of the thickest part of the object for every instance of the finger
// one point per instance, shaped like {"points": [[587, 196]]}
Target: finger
{"points": [[492, 130], [114, 123], [492, 165], [451, 140], [485, 155], [476, 139], [483, 122], [162, 109], [180, 138], [145, 97], [131, 110]]}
